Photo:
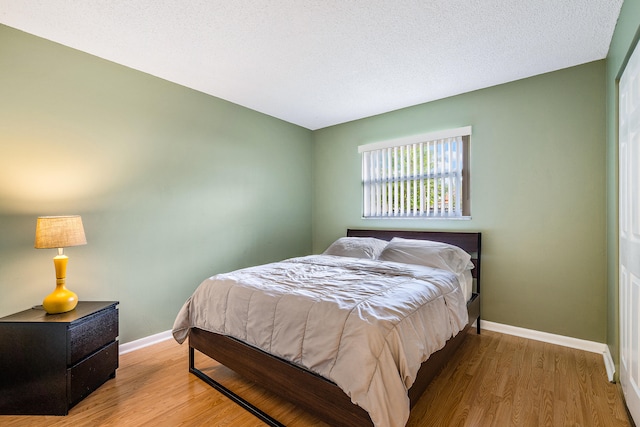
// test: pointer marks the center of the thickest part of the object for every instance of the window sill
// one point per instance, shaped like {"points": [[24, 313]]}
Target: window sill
{"points": [[441, 218]]}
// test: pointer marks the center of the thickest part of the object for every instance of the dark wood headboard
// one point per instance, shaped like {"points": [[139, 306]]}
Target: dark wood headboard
{"points": [[469, 241]]}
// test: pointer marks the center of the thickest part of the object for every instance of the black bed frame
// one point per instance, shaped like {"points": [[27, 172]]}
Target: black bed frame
{"points": [[310, 391]]}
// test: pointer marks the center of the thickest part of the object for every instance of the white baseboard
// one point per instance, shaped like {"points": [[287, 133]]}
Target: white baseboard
{"points": [[609, 365], [590, 346], [145, 342]]}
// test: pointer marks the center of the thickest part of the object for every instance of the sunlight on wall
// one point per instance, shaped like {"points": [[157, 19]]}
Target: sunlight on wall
{"points": [[49, 171]]}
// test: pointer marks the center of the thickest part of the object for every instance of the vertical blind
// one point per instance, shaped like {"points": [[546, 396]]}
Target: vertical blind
{"points": [[419, 176]]}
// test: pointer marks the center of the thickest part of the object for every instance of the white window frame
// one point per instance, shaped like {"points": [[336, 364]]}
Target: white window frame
{"points": [[395, 184]]}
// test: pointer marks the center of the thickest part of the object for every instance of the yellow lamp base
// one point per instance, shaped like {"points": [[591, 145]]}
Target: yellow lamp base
{"points": [[60, 300]]}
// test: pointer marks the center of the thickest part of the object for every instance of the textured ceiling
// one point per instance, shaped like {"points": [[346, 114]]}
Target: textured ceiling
{"points": [[317, 63]]}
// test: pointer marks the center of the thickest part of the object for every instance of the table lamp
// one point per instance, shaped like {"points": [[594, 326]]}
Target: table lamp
{"points": [[59, 232]]}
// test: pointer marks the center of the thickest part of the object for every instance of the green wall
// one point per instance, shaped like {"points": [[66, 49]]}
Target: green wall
{"points": [[621, 45], [537, 193], [172, 185]]}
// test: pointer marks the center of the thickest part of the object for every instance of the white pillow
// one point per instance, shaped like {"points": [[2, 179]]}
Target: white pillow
{"points": [[427, 253], [357, 247]]}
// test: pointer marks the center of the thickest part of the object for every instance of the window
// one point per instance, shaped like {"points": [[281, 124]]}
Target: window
{"points": [[422, 176]]}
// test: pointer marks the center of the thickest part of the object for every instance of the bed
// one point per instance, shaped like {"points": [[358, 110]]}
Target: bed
{"points": [[313, 385]]}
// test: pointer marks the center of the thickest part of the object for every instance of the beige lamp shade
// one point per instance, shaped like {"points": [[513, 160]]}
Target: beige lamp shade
{"points": [[59, 232]]}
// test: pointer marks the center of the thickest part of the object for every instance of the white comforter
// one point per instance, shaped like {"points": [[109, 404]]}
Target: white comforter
{"points": [[365, 325]]}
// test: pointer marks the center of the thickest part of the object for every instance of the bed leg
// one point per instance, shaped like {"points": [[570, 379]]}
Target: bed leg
{"points": [[264, 417]]}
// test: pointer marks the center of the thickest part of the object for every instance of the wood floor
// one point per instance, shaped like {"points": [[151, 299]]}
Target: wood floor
{"points": [[494, 380]]}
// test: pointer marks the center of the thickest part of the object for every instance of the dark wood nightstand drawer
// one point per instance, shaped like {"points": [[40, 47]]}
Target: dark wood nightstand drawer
{"points": [[92, 372], [91, 334]]}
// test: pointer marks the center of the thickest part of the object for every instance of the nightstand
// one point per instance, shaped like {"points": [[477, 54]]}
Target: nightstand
{"points": [[50, 362]]}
